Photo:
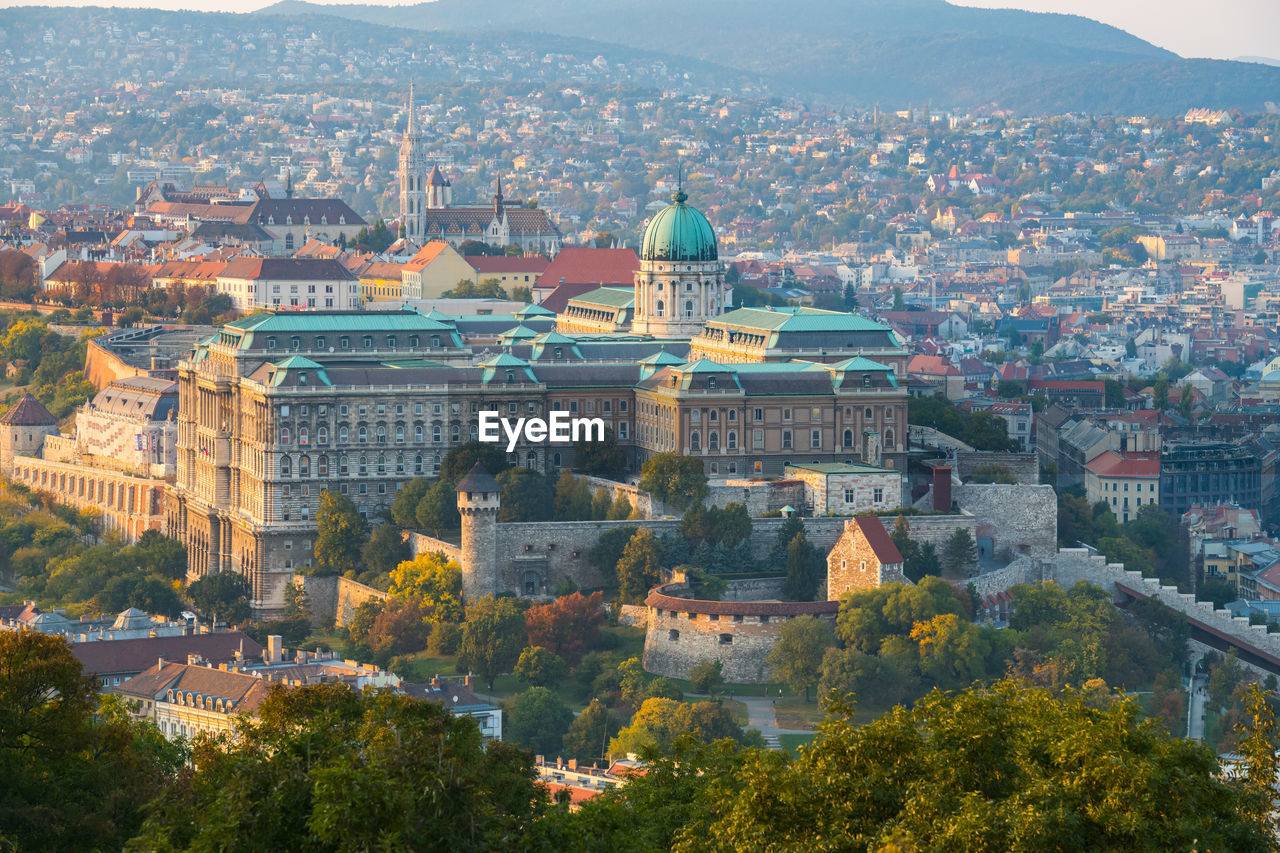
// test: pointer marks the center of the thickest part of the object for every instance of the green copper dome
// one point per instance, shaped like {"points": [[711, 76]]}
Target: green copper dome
{"points": [[679, 232]]}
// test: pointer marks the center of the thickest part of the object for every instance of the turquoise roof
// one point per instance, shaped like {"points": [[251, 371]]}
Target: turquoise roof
{"points": [[609, 297], [679, 232], [521, 331], [796, 320], [554, 337], [325, 321], [860, 363], [661, 357], [706, 365], [505, 361], [535, 311], [295, 362]]}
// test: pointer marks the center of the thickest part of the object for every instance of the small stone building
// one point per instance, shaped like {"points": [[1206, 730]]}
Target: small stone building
{"points": [[845, 488], [863, 558]]}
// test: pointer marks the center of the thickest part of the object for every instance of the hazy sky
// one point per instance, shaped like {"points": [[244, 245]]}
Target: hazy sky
{"points": [[1222, 29]]}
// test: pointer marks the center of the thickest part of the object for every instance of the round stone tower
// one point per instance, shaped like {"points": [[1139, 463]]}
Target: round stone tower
{"points": [[478, 500], [22, 431]]}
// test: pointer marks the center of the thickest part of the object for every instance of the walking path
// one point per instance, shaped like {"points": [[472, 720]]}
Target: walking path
{"points": [[760, 716]]}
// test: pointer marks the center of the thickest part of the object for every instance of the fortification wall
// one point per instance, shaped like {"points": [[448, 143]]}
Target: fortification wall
{"points": [[754, 589], [102, 367], [684, 632], [935, 529], [420, 543], [333, 599], [1023, 518], [545, 553], [1024, 466], [351, 595]]}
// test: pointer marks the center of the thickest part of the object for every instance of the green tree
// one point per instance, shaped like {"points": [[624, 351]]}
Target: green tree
{"points": [[796, 658], [983, 769], [385, 549], [674, 479], [340, 534], [590, 732], [323, 764], [1113, 394], [960, 554], [899, 304], [803, 573], [538, 666], [639, 568], [526, 495], [438, 509], [404, 509], [572, 501], [621, 508], [1186, 401], [601, 503], [492, 637], [1160, 393], [707, 676], [73, 768], [600, 458], [659, 722], [607, 551], [782, 542], [1130, 348], [538, 721], [224, 595], [567, 626], [461, 459], [1224, 677]]}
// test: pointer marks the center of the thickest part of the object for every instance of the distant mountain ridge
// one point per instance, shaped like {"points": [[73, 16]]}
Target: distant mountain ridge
{"points": [[891, 52]]}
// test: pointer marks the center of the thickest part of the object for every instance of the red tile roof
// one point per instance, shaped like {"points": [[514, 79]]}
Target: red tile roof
{"points": [[500, 264], [1111, 464], [116, 656], [600, 267], [878, 538], [28, 412]]}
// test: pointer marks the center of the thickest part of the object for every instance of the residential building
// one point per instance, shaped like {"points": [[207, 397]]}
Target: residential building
{"points": [[289, 284], [1125, 483]]}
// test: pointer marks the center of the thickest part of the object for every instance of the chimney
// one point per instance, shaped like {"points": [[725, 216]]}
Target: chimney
{"points": [[573, 764], [275, 648], [942, 488], [160, 662]]}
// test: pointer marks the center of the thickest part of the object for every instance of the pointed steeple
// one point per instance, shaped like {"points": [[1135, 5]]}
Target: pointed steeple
{"points": [[497, 198], [288, 186], [409, 131], [679, 196]]}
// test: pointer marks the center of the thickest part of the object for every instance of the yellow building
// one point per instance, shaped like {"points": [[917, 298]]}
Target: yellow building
{"points": [[435, 269], [381, 281], [1124, 483]]}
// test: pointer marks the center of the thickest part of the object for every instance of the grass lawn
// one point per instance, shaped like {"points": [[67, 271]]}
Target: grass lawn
{"points": [[797, 714], [738, 709], [791, 742]]}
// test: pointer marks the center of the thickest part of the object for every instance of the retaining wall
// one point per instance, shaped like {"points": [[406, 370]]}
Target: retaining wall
{"points": [[1024, 466]]}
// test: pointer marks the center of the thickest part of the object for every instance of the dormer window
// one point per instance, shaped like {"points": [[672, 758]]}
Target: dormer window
{"points": [[295, 342], [511, 376], [288, 220], [711, 383], [271, 343], [559, 352]]}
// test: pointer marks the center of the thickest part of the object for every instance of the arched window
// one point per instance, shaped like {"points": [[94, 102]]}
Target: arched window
{"points": [[867, 414], [399, 433], [284, 435], [382, 463], [286, 466], [342, 465], [382, 434], [363, 435], [555, 460], [661, 308], [322, 435], [343, 435], [848, 438], [435, 433], [322, 466], [304, 466], [531, 460], [713, 440], [417, 433], [304, 436], [888, 438], [732, 440], [455, 433], [417, 464], [695, 441], [688, 308], [363, 466]]}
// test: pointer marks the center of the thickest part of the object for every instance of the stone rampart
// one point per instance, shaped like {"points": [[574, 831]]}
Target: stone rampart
{"points": [[753, 589], [1022, 518], [1024, 466], [332, 599], [420, 543], [935, 529], [683, 632]]}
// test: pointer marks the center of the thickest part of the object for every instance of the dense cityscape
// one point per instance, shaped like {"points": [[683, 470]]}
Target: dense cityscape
{"points": [[422, 434]]}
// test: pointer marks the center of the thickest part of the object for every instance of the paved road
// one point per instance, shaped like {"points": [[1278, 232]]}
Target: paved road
{"points": [[1197, 701], [760, 716]]}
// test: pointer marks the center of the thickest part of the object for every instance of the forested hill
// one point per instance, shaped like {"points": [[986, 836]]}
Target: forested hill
{"points": [[891, 52]]}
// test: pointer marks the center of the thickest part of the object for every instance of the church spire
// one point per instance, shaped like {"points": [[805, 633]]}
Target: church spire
{"points": [[410, 131], [497, 197]]}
